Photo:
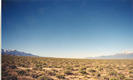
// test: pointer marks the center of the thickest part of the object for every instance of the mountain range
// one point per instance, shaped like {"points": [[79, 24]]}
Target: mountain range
{"points": [[115, 56], [15, 52]]}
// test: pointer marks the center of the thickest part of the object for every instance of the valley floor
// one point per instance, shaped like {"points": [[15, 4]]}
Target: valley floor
{"points": [[42, 68]]}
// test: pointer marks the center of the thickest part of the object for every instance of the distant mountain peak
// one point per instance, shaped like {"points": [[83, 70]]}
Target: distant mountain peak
{"points": [[128, 52], [8, 50], [127, 55], [15, 52]]}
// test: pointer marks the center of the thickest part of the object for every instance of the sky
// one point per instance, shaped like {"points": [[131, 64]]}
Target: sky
{"points": [[68, 28]]}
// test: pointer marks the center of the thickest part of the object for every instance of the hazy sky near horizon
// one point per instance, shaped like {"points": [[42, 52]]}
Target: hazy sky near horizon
{"points": [[68, 28]]}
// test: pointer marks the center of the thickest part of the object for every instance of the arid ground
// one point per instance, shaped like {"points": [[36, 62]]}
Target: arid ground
{"points": [[42, 68]]}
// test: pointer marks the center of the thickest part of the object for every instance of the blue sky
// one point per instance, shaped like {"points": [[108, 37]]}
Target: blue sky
{"points": [[68, 28]]}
